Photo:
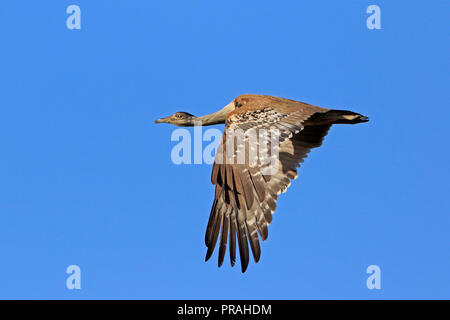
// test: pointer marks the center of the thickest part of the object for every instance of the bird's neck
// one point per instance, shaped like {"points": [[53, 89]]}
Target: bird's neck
{"points": [[214, 118]]}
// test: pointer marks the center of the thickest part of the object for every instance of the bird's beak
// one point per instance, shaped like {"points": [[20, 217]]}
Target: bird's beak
{"points": [[162, 120]]}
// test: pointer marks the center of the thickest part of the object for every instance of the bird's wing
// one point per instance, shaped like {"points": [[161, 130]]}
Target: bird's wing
{"points": [[246, 192]]}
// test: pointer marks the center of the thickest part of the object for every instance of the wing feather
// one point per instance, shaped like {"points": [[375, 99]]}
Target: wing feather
{"points": [[245, 197]]}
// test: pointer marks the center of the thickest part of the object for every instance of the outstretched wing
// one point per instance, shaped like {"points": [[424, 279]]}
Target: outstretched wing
{"points": [[246, 192]]}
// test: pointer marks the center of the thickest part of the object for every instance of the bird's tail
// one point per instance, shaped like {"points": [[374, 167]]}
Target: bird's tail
{"points": [[344, 116]]}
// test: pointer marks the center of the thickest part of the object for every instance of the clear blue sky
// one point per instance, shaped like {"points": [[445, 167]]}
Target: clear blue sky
{"points": [[86, 177]]}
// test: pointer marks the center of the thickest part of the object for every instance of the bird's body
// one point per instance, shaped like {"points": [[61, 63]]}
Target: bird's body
{"points": [[247, 191]]}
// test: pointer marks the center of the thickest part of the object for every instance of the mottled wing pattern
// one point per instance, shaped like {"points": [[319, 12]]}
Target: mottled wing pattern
{"points": [[245, 196]]}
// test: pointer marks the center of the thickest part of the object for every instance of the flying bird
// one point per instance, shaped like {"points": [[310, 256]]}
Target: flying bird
{"points": [[246, 195]]}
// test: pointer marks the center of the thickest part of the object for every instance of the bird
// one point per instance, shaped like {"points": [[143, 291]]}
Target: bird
{"points": [[245, 195]]}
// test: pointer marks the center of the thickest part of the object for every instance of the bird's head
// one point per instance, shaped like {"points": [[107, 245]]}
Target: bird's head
{"points": [[182, 119]]}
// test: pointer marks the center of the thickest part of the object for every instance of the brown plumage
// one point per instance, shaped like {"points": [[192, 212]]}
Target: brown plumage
{"points": [[246, 195]]}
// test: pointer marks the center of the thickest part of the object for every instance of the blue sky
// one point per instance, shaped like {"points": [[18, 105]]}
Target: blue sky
{"points": [[87, 179]]}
